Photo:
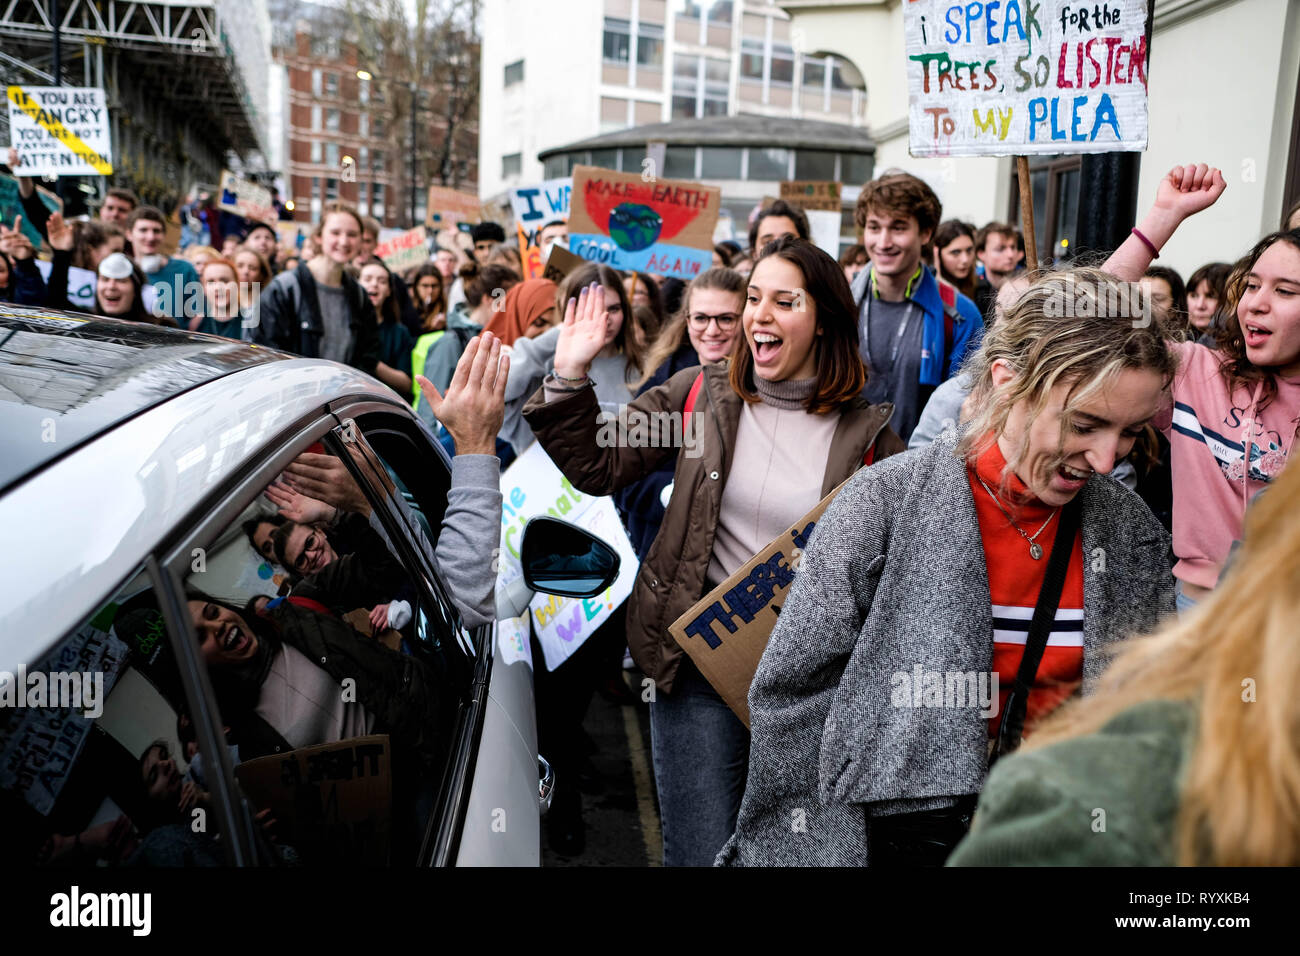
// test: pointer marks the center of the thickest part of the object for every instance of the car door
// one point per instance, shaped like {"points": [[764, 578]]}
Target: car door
{"points": [[220, 561], [490, 806]]}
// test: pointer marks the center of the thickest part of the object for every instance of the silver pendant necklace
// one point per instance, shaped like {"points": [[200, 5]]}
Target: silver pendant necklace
{"points": [[1035, 549]]}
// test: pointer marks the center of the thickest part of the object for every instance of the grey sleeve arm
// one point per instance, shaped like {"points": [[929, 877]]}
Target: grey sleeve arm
{"points": [[470, 536], [941, 412]]}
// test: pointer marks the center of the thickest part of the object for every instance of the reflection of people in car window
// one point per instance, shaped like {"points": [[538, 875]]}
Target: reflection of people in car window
{"points": [[259, 530], [302, 548], [351, 567], [279, 680]]}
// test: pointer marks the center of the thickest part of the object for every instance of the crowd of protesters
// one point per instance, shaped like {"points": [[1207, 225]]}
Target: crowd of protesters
{"points": [[1048, 479]]}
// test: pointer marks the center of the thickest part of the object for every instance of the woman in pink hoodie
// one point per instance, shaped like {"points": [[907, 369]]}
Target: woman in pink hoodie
{"points": [[1236, 406]]}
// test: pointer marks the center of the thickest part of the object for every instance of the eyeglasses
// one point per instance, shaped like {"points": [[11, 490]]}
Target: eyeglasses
{"points": [[313, 544], [726, 322]]}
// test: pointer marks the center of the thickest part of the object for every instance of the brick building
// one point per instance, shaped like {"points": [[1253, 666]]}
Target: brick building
{"points": [[348, 136]]}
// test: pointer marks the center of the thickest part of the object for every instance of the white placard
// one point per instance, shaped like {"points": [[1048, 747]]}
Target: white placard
{"points": [[1011, 77], [532, 486], [535, 206], [61, 130], [81, 284]]}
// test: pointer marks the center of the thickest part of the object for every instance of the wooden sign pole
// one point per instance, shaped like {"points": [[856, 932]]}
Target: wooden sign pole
{"points": [[1027, 213]]}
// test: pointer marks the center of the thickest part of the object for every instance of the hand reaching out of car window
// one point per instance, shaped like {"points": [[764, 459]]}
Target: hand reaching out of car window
{"points": [[475, 404]]}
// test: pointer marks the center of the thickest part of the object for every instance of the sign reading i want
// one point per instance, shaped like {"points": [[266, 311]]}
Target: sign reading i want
{"points": [[60, 130], [1011, 77]]}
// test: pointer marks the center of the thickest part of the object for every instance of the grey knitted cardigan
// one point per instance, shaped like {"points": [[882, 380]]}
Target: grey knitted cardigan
{"points": [[894, 576]]}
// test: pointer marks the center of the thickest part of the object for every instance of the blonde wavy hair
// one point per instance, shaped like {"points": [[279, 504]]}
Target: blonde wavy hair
{"points": [[1236, 659], [1080, 326]]}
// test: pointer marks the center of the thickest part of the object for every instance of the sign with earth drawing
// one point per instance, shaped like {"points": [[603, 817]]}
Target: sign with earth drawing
{"points": [[660, 226]]}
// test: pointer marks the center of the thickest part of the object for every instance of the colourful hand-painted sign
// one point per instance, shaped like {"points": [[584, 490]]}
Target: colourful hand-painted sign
{"points": [[660, 226], [532, 486], [1006, 77]]}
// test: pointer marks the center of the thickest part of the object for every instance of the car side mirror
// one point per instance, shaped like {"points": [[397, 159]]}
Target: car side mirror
{"points": [[561, 558]]}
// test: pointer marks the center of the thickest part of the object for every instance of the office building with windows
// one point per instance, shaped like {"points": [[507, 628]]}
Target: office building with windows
{"points": [[711, 78]]}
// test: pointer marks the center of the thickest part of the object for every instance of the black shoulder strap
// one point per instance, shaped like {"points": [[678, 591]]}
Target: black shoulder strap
{"points": [[1040, 627]]}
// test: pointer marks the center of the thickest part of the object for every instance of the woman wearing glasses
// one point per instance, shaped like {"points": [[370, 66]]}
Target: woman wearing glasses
{"points": [[775, 428], [701, 333]]}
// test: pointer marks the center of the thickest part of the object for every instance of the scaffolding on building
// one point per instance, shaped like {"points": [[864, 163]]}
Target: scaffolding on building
{"points": [[186, 79]]}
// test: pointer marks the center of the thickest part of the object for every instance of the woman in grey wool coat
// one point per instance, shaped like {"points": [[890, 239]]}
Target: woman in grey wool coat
{"points": [[929, 563]]}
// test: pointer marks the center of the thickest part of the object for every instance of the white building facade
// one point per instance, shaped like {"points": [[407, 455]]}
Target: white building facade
{"points": [[561, 73]]}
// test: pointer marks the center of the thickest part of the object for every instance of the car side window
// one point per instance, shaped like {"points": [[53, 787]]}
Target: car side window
{"points": [[94, 765], [394, 455], [338, 698]]}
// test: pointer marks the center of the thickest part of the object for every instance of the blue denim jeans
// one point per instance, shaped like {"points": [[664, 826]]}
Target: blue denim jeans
{"points": [[1184, 603], [701, 758]]}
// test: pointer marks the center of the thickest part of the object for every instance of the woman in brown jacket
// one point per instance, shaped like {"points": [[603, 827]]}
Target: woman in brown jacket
{"points": [[775, 429]]}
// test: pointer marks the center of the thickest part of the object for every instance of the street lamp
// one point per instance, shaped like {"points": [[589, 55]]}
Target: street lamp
{"points": [[364, 75]]}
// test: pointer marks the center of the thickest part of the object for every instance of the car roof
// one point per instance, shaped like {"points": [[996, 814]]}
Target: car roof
{"points": [[66, 377], [82, 524]]}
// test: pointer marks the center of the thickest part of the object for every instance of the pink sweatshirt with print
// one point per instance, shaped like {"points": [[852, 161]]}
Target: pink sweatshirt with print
{"points": [[1214, 476]]}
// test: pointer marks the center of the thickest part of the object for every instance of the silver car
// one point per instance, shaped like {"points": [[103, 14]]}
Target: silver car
{"points": [[134, 466]]}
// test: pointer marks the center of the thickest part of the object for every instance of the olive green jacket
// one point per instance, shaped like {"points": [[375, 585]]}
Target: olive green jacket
{"points": [[1104, 799]]}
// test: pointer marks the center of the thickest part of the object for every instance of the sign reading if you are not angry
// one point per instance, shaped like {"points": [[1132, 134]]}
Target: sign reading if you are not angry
{"points": [[60, 130], [1014, 77]]}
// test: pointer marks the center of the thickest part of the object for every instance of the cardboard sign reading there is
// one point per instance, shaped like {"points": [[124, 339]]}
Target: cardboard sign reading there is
{"points": [[726, 631]]}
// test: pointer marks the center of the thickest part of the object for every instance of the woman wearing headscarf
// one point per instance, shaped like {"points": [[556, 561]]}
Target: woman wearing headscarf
{"points": [[529, 311]]}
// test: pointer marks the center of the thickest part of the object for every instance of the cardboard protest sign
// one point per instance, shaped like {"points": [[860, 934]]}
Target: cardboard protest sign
{"points": [[43, 734], [245, 198], [332, 802], [560, 263], [532, 485], [812, 195], [660, 226], [405, 251], [290, 233], [448, 206], [61, 130], [530, 252], [998, 79], [727, 629]]}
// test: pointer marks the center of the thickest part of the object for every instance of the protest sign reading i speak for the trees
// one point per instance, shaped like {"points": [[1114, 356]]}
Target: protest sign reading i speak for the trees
{"points": [[60, 130], [1013, 77], [660, 226]]}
